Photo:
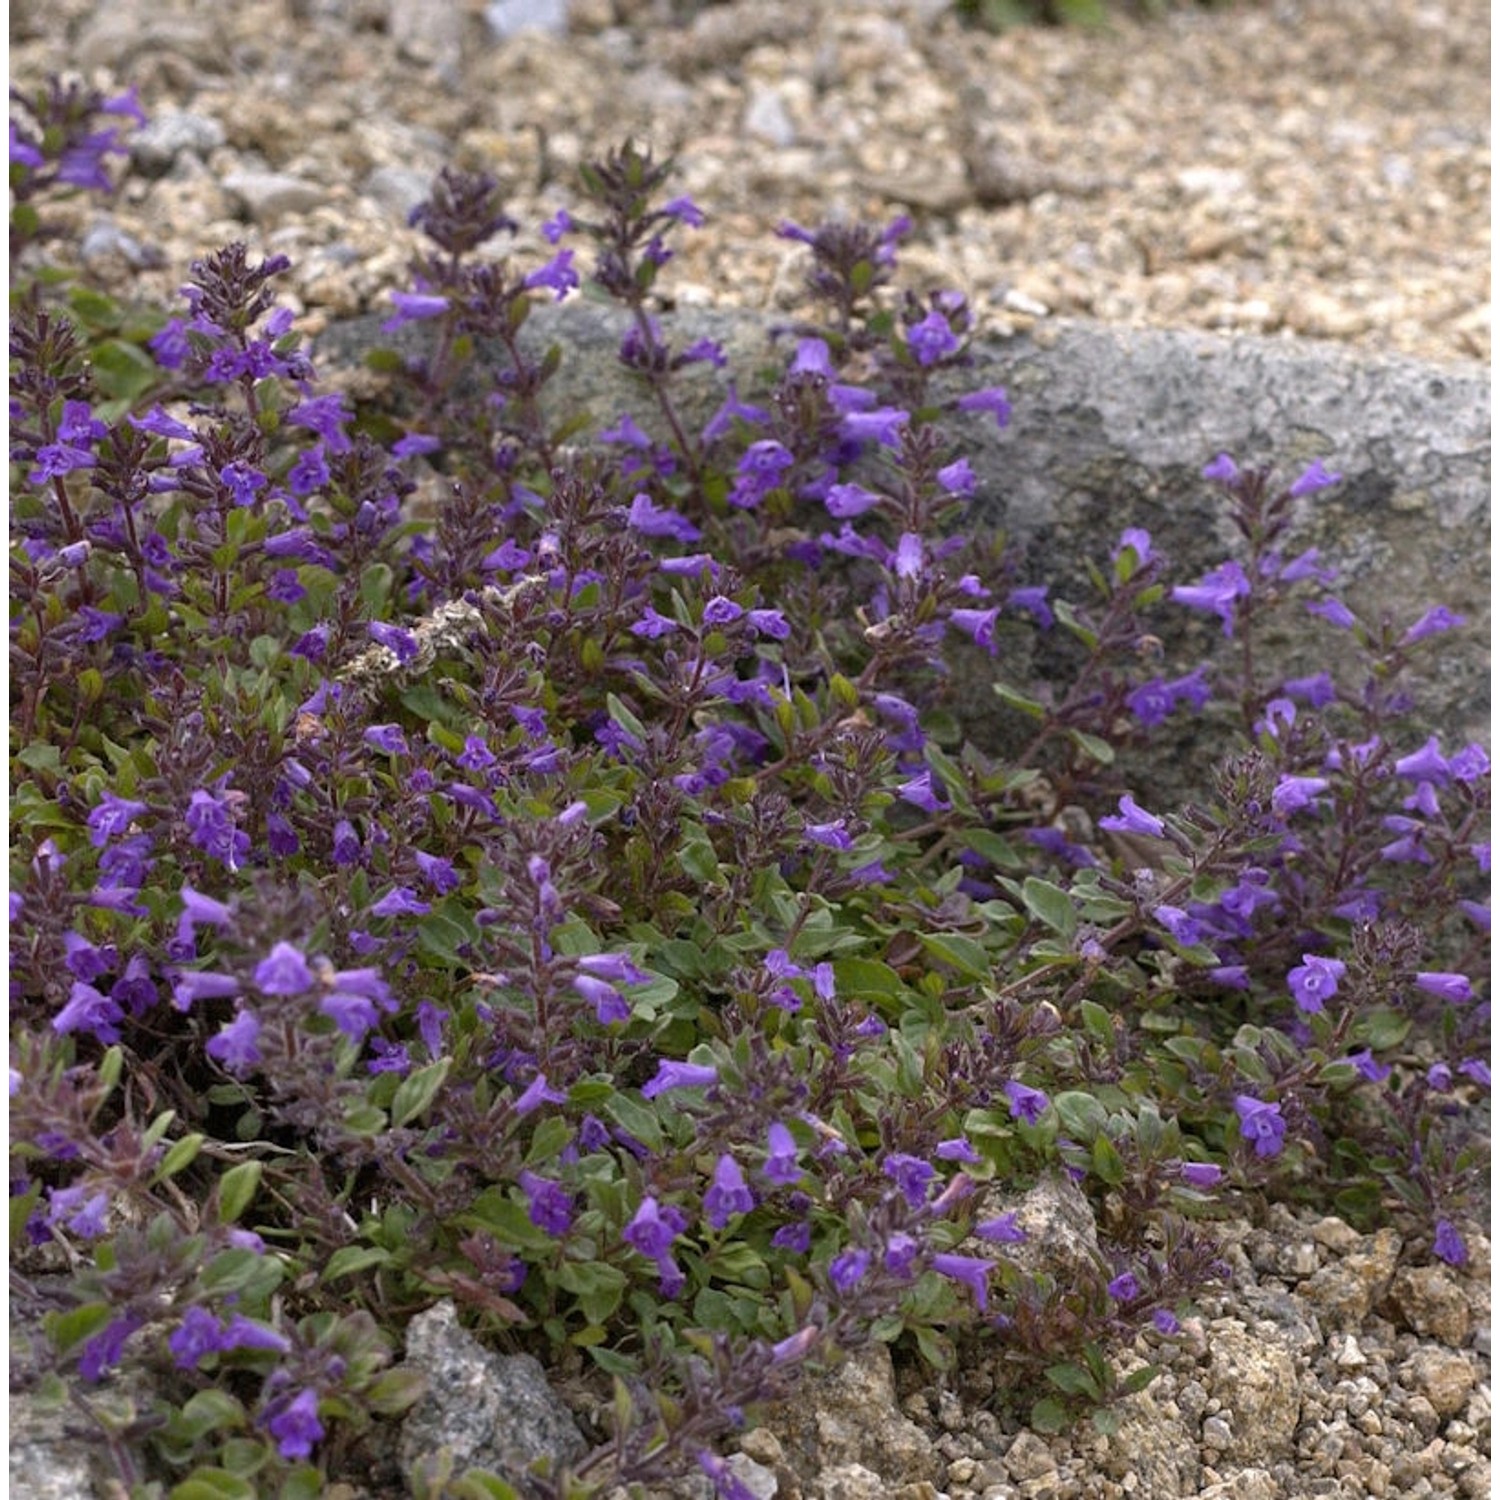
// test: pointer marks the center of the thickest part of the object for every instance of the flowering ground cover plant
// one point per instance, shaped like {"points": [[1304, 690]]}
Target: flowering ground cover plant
{"points": [[572, 897]]}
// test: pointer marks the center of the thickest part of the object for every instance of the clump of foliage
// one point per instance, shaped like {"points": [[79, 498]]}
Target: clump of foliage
{"points": [[572, 898]]}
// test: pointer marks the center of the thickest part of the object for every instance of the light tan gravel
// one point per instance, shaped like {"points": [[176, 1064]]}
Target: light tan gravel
{"points": [[1319, 167]]}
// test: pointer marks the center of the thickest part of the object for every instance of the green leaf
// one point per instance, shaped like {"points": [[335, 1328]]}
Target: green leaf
{"points": [[597, 1286], [122, 371], [213, 1484], [1049, 1416], [252, 1276], [1082, 1115], [1050, 904], [624, 718], [178, 1156], [1015, 699], [476, 1484], [418, 1091], [959, 952], [1108, 1163], [351, 1258], [1096, 749], [1074, 1380], [636, 1118], [236, 1188], [1097, 1022]]}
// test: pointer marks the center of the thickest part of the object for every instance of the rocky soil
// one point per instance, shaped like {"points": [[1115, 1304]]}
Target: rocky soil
{"points": [[1317, 169]]}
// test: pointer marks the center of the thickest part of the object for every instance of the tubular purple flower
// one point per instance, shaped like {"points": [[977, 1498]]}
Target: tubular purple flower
{"points": [[413, 306], [678, 1075], [402, 644], [1124, 1287], [104, 1349], [959, 1148], [1223, 469], [931, 339], [847, 1270], [1293, 793], [609, 1005], [1261, 1123], [1454, 988], [549, 1205], [1026, 1103], [721, 611], [978, 624], [1201, 1174], [1426, 764], [651, 624], [1034, 602], [781, 1156], [558, 276], [1217, 592], [284, 972], [1448, 1244], [295, 1425], [882, 424], [195, 1338], [654, 520], [537, 1093], [1165, 1322], [972, 1270], [958, 478], [235, 1045], [400, 901], [728, 1193], [88, 1010], [845, 501], [991, 399], [1433, 622], [768, 623], [919, 792], [1335, 611], [1313, 477], [911, 1175], [1003, 1230], [1138, 540], [1133, 819], [1364, 1061], [112, 816], [830, 835]]}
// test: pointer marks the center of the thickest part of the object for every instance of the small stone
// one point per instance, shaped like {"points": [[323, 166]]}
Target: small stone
{"points": [[766, 117], [851, 1482], [268, 196], [961, 1470], [759, 1481], [1349, 1356], [397, 189], [505, 18], [1217, 1434], [1427, 1300], [1334, 1234], [761, 1444], [1297, 1260], [1445, 1379], [155, 147], [1029, 1458]]}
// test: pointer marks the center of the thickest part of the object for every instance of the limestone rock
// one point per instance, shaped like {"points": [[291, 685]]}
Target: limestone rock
{"points": [[1255, 1381], [1429, 1302]]}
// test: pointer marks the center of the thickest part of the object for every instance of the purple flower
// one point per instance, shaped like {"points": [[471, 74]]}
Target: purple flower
{"points": [[1034, 601], [609, 1005], [978, 624], [992, 399], [770, 623], [400, 901], [845, 501], [847, 1270], [402, 644], [931, 339], [346, 848], [1454, 988], [112, 816], [918, 791], [537, 1093], [354, 1000], [295, 1425], [882, 424], [830, 835], [678, 1075], [654, 520], [105, 1348], [1223, 469], [1448, 1244], [958, 478], [88, 1010], [685, 211], [1316, 691], [651, 1231], [910, 1174], [728, 1193], [234, 1048], [781, 1155], [1261, 1123], [387, 738], [1217, 592], [615, 967], [413, 306], [1165, 1322], [1124, 1287], [558, 275], [549, 1205], [196, 1337], [1433, 622], [972, 1270], [1201, 1174], [1313, 477], [1426, 764], [1133, 819], [284, 972], [1026, 1103], [794, 1237], [1293, 793], [721, 611], [1313, 981], [651, 625], [1335, 611], [1364, 1061], [1003, 1230], [959, 1148]]}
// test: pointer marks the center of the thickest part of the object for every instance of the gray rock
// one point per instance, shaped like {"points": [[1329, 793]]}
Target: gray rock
{"points": [[156, 146], [766, 117], [507, 17], [850, 1417], [1062, 1239], [1254, 1379], [267, 196], [1345, 1292], [490, 1411], [428, 31], [1427, 1300], [398, 189], [1443, 1377]]}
